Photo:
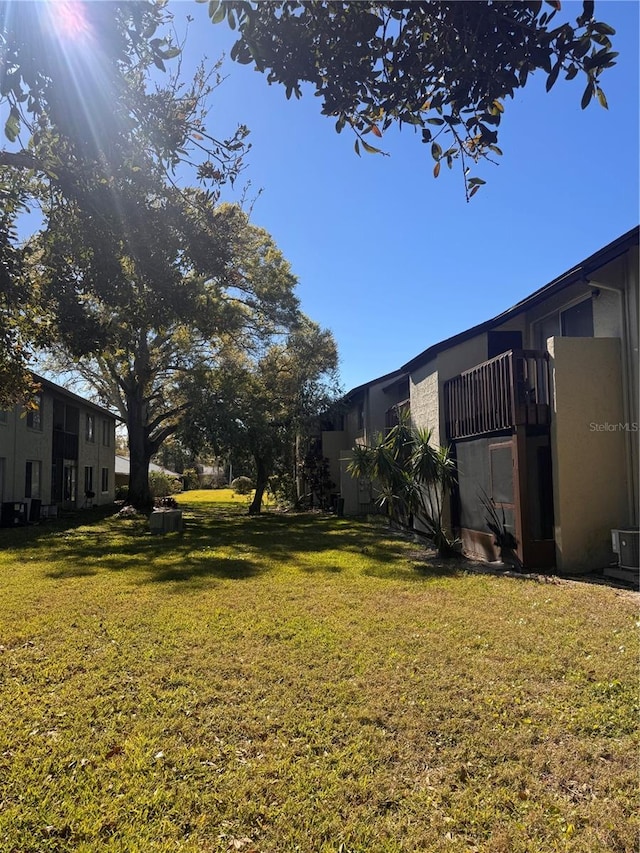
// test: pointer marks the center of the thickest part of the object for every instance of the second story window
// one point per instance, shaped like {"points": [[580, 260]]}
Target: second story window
{"points": [[106, 433], [90, 429], [34, 415]]}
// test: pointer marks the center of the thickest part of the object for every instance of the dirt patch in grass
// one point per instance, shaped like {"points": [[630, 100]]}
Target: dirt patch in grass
{"points": [[305, 683]]}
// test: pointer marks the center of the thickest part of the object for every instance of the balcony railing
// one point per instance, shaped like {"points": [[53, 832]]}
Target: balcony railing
{"points": [[393, 415], [509, 390]]}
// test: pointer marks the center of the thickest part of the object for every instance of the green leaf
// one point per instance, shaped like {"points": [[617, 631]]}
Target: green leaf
{"points": [[551, 79], [357, 148], [436, 169], [369, 148], [476, 182], [588, 94], [219, 16], [602, 98], [216, 11], [12, 125], [604, 29], [436, 151], [435, 121]]}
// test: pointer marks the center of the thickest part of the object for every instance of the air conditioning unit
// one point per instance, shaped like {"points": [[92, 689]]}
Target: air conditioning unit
{"points": [[626, 544]]}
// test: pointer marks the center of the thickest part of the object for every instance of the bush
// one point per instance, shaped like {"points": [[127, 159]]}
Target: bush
{"points": [[242, 485], [161, 484], [191, 479], [122, 493]]}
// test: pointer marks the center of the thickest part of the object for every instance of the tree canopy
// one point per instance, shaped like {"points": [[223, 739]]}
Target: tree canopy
{"points": [[443, 68], [259, 407], [139, 324], [93, 143]]}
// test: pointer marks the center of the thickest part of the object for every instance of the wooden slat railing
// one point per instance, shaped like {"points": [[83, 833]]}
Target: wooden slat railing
{"points": [[506, 391]]}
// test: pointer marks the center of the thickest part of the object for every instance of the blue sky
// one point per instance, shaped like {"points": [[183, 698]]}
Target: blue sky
{"points": [[392, 260]]}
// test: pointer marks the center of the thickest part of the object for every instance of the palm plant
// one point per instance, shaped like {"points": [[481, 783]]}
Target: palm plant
{"points": [[412, 477]]}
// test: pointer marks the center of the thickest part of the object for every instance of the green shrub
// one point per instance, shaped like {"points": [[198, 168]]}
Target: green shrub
{"points": [[242, 485], [191, 479], [161, 484]]}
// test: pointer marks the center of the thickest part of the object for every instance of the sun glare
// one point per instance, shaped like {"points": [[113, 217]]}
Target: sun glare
{"points": [[69, 19]]}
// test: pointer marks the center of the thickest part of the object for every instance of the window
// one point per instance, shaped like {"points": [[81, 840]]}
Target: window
{"points": [[574, 322], [90, 429], [577, 321], [34, 415], [106, 433], [88, 480], [4, 414], [32, 479], [104, 480]]}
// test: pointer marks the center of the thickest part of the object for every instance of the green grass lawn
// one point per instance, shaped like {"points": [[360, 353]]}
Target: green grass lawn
{"points": [[304, 683]]}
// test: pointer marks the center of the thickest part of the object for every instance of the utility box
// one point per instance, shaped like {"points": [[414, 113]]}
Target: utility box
{"points": [[626, 544], [166, 521]]}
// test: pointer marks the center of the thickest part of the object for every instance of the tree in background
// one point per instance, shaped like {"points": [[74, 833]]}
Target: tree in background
{"points": [[443, 68], [258, 406], [413, 478], [142, 323]]}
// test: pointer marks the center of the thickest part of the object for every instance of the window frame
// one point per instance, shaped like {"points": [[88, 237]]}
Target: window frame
{"points": [[33, 485], [90, 428], [34, 416]]}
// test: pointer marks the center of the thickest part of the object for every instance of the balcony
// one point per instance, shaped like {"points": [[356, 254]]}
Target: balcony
{"points": [[395, 413], [507, 391]]}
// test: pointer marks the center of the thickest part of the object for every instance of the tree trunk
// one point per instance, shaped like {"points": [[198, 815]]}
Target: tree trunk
{"points": [[140, 452], [262, 476]]}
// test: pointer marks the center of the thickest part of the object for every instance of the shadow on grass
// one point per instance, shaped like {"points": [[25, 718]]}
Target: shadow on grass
{"points": [[219, 542]]}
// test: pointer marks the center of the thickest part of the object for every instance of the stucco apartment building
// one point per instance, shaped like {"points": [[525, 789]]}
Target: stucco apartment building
{"points": [[55, 455], [540, 408]]}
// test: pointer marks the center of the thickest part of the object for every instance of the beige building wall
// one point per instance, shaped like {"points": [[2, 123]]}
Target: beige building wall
{"points": [[356, 493], [424, 396], [376, 406], [588, 450], [20, 443], [23, 443], [97, 454], [333, 442]]}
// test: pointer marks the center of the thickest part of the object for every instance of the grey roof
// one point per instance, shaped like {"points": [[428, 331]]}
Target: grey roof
{"points": [[122, 467]]}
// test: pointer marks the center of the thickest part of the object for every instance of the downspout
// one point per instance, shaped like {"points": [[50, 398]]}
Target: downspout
{"points": [[625, 333]]}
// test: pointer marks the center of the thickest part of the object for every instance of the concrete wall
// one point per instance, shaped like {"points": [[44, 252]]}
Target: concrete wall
{"points": [[425, 402], [588, 450], [333, 442], [357, 493]]}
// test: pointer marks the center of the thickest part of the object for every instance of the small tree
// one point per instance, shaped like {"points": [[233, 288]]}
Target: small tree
{"points": [[413, 477]]}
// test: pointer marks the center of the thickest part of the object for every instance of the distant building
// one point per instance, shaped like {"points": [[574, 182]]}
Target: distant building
{"points": [[122, 471], [60, 454]]}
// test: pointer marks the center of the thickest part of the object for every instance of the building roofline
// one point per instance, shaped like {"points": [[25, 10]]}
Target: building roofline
{"points": [[394, 375], [59, 389], [575, 274]]}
